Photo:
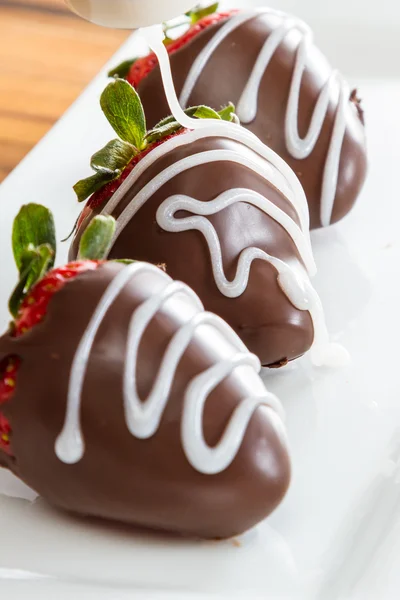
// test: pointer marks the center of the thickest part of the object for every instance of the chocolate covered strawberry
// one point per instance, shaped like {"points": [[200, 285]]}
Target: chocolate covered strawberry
{"points": [[222, 211], [284, 90], [34, 253], [122, 399], [194, 22]]}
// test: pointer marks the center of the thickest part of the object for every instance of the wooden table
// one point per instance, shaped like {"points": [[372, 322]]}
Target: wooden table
{"points": [[47, 56]]}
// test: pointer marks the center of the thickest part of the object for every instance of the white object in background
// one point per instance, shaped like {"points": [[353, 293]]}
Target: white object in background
{"points": [[129, 14]]}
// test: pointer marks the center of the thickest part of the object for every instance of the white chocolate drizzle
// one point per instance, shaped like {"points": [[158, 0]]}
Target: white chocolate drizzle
{"points": [[335, 86], [231, 289], [143, 417], [154, 36], [273, 169], [293, 279]]}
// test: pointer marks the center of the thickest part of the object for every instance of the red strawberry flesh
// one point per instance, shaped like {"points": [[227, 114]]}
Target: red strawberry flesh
{"points": [[32, 311], [34, 307], [8, 378], [5, 432]]}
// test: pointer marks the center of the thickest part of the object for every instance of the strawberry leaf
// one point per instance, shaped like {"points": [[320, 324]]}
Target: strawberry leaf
{"points": [[124, 111], [121, 71], [199, 13], [169, 126], [36, 262], [113, 158], [188, 111], [228, 114], [18, 294], [124, 261], [205, 112], [160, 133], [166, 127], [33, 227], [96, 241], [86, 187]]}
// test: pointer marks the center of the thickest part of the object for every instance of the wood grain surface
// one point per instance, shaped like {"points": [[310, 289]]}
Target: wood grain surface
{"points": [[47, 56]]}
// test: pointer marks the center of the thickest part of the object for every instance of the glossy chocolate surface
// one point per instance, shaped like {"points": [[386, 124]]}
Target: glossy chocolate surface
{"points": [[145, 482], [223, 80], [263, 317]]}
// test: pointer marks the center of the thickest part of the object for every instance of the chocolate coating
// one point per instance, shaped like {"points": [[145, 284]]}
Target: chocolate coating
{"points": [[223, 80], [263, 317], [145, 482]]}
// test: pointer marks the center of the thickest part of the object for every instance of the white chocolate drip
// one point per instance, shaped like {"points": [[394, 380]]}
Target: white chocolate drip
{"points": [[231, 289], [299, 148], [154, 37], [143, 416], [293, 280]]}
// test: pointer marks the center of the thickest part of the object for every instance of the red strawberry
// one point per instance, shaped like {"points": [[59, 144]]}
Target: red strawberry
{"points": [[8, 378], [8, 374], [34, 306], [143, 66], [5, 431], [34, 250]]}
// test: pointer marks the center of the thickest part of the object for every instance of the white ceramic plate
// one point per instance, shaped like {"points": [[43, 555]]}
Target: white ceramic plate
{"points": [[337, 534]]}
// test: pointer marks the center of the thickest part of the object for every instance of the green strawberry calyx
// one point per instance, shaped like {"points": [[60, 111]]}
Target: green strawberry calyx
{"points": [[34, 247], [124, 111]]}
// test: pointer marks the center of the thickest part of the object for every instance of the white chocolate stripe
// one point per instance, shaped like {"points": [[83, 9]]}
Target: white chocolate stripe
{"points": [[331, 173], [294, 281], [295, 193], [167, 221], [247, 106], [196, 448], [301, 240], [143, 417], [204, 56]]}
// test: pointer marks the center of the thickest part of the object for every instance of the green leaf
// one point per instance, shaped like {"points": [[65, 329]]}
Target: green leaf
{"points": [[124, 111], [161, 133], [188, 20], [199, 13], [86, 187], [36, 262], [113, 158], [124, 261], [167, 40], [189, 111], [169, 125], [45, 260], [205, 112], [18, 294], [96, 241], [33, 227], [29, 255], [121, 71], [228, 113]]}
